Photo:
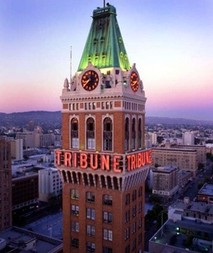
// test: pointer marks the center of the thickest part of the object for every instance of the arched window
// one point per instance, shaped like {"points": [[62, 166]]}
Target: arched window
{"points": [[126, 134], [107, 134], [133, 134], [139, 134], [90, 133], [74, 133]]}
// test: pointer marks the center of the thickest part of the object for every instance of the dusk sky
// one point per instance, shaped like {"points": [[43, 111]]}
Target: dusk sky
{"points": [[171, 42]]}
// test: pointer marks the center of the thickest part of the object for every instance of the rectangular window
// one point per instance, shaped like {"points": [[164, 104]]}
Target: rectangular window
{"points": [[75, 143], [75, 226], [74, 194], [75, 210], [139, 239], [90, 230], [126, 236], [133, 244], [90, 212], [134, 195], [133, 227], [127, 199], [107, 217], [140, 192], [127, 249], [140, 222], [107, 250], [90, 197], [90, 247], [134, 209], [75, 242], [107, 199], [140, 207], [107, 234], [127, 216], [91, 143]]}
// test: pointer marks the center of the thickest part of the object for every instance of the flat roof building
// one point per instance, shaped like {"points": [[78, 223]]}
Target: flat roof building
{"points": [[186, 209], [165, 181], [182, 236], [206, 193], [50, 183], [24, 190], [21, 240], [185, 159]]}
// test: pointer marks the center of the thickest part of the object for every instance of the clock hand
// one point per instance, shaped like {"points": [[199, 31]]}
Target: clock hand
{"points": [[86, 82]]}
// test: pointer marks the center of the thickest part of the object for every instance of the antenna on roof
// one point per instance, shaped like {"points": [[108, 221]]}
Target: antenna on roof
{"points": [[70, 63]]}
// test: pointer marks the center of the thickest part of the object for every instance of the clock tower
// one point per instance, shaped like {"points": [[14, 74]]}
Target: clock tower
{"points": [[103, 161]]}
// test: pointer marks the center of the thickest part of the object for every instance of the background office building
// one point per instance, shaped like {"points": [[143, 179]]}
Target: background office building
{"points": [[165, 181], [50, 184], [25, 190], [188, 138], [184, 159], [17, 149], [5, 184]]}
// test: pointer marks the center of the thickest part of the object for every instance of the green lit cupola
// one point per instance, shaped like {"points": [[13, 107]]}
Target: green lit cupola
{"points": [[104, 46]]}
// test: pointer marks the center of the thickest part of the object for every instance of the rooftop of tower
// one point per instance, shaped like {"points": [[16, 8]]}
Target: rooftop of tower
{"points": [[104, 46]]}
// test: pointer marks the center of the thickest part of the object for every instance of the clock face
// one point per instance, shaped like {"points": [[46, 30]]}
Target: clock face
{"points": [[134, 81], [90, 80]]}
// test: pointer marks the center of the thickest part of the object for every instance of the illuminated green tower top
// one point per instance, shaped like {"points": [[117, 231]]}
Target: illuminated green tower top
{"points": [[104, 46]]}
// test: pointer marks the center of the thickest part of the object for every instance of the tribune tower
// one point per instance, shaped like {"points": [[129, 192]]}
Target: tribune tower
{"points": [[103, 161]]}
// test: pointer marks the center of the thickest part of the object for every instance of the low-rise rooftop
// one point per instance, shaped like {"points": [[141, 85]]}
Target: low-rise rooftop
{"points": [[207, 189], [164, 169], [182, 236], [21, 240]]}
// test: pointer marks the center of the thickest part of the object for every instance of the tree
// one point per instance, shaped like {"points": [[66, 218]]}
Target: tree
{"points": [[200, 166], [155, 199]]}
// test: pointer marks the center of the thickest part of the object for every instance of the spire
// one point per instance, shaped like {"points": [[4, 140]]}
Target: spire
{"points": [[104, 46]]}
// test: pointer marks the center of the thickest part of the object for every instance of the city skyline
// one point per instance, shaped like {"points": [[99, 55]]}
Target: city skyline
{"points": [[170, 42]]}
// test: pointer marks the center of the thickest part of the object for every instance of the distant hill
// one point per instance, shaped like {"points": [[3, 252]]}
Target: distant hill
{"points": [[45, 119], [51, 120], [177, 121]]}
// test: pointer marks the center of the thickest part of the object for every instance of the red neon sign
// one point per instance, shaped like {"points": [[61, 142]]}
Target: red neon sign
{"points": [[106, 162]]}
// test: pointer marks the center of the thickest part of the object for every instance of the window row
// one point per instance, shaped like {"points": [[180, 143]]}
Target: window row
{"points": [[135, 194], [90, 246], [90, 134], [90, 230], [133, 133], [90, 214], [129, 248], [134, 212], [90, 197], [132, 229]]}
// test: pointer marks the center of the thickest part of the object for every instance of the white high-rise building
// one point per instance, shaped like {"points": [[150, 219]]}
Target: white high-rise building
{"points": [[50, 183], [188, 138], [17, 149], [151, 139]]}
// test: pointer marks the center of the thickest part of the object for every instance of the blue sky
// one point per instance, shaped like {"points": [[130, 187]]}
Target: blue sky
{"points": [[169, 40]]}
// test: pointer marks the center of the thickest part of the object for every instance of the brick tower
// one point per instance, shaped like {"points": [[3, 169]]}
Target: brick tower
{"points": [[103, 161], [5, 184]]}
